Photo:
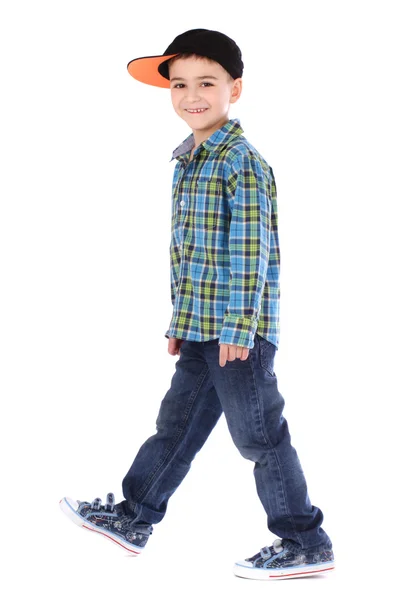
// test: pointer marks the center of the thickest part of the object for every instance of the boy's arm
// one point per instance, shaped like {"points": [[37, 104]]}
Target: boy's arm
{"points": [[249, 244]]}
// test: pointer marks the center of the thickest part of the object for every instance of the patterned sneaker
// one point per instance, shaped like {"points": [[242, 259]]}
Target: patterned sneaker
{"points": [[111, 520], [284, 560]]}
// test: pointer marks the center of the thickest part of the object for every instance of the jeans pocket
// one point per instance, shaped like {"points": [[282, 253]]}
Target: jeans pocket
{"points": [[267, 355]]}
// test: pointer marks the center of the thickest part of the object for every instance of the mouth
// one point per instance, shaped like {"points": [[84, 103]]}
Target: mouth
{"points": [[197, 111]]}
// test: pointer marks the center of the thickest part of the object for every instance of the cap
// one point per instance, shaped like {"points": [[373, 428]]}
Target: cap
{"points": [[215, 45]]}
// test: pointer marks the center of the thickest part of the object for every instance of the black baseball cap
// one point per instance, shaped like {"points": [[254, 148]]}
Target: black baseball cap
{"points": [[215, 45]]}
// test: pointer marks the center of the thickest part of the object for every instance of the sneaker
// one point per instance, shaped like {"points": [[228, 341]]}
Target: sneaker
{"points": [[284, 560], [111, 520]]}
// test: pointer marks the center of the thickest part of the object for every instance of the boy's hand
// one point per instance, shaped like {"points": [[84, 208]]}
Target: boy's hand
{"points": [[174, 345], [230, 352], [226, 351]]}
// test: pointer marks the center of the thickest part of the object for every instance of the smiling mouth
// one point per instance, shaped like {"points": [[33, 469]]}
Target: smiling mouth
{"points": [[198, 111]]}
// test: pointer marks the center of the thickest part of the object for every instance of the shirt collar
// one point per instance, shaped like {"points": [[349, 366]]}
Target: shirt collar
{"points": [[214, 143]]}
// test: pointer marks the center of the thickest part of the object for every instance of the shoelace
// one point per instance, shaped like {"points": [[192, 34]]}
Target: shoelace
{"points": [[277, 547], [108, 506], [124, 519]]}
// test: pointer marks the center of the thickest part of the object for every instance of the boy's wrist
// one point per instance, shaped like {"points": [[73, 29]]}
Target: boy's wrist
{"points": [[238, 330]]}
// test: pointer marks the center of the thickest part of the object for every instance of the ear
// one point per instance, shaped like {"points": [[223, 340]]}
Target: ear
{"points": [[236, 90]]}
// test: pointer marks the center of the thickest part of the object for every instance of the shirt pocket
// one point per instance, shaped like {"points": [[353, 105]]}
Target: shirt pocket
{"points": [[208, 198]]}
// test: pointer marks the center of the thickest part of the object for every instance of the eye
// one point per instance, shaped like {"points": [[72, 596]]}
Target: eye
{"points": [[203, 83]]}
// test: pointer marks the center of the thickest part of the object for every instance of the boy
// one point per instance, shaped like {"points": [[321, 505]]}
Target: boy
{"points": [[225, 324]]}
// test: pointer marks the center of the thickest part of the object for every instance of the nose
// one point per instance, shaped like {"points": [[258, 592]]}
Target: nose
{"points": [[192, 93]]}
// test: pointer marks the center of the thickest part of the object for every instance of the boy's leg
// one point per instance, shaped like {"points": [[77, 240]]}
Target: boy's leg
{"points": [[253, 408], [187, 415]]}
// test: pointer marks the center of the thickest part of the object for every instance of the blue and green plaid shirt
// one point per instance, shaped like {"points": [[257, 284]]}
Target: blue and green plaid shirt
{"points": [[224, 251]]}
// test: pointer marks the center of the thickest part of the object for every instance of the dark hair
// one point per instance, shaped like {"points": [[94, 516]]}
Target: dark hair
{"points": [[189, 55]]}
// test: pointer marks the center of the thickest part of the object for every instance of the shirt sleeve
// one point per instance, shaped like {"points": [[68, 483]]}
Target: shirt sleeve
{"points": [[249, 244]]}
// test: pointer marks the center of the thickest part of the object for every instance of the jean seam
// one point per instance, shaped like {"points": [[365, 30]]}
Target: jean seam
{"points": [[288, 512], [261, 360], [147, 485]]}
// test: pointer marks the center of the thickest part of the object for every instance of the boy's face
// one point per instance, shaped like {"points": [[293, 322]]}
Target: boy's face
{"points": [[198, 82]]}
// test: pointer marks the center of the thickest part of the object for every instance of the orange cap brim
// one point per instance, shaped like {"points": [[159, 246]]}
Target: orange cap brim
{"points": [[144, 69]]}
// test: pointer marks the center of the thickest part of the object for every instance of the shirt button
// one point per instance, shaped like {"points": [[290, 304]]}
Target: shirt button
{"points": [[182, 203]]}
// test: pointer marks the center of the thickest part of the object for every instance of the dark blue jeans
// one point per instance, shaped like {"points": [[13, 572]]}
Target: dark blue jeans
{"points": [[247, 392]]}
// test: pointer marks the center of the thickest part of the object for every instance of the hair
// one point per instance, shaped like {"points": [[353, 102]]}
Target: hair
{"points": [[192, 54]]}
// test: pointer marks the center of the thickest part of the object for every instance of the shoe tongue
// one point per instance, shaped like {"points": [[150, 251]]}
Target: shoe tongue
{"points": [[291, 546], [120, 509]]}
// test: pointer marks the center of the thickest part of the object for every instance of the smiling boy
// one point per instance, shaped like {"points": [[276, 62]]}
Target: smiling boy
{"points": [[225, 323], [208, 80]]}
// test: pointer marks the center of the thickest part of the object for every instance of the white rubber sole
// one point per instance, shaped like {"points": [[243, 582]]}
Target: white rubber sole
{"points": [[246, 570], [69, 508]]}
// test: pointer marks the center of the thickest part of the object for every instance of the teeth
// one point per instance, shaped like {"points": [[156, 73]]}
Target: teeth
{"points": [[197, 110]]}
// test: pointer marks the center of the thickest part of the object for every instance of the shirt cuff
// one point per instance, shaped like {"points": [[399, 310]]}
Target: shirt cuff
{"points": [[239, 331]]}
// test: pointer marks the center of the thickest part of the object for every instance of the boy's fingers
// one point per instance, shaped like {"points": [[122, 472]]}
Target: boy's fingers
{"points": [[226, 351], [174, 345], [223, 354], [231, 352], [245, 353]]}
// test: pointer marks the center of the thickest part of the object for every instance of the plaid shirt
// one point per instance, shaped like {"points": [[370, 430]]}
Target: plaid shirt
{"points": [[224, 251]]}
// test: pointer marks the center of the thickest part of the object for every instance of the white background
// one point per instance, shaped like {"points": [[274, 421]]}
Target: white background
{"points": [[84, 237]]}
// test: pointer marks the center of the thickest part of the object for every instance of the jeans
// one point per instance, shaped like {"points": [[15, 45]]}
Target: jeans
{"points": [[247, 392]]}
